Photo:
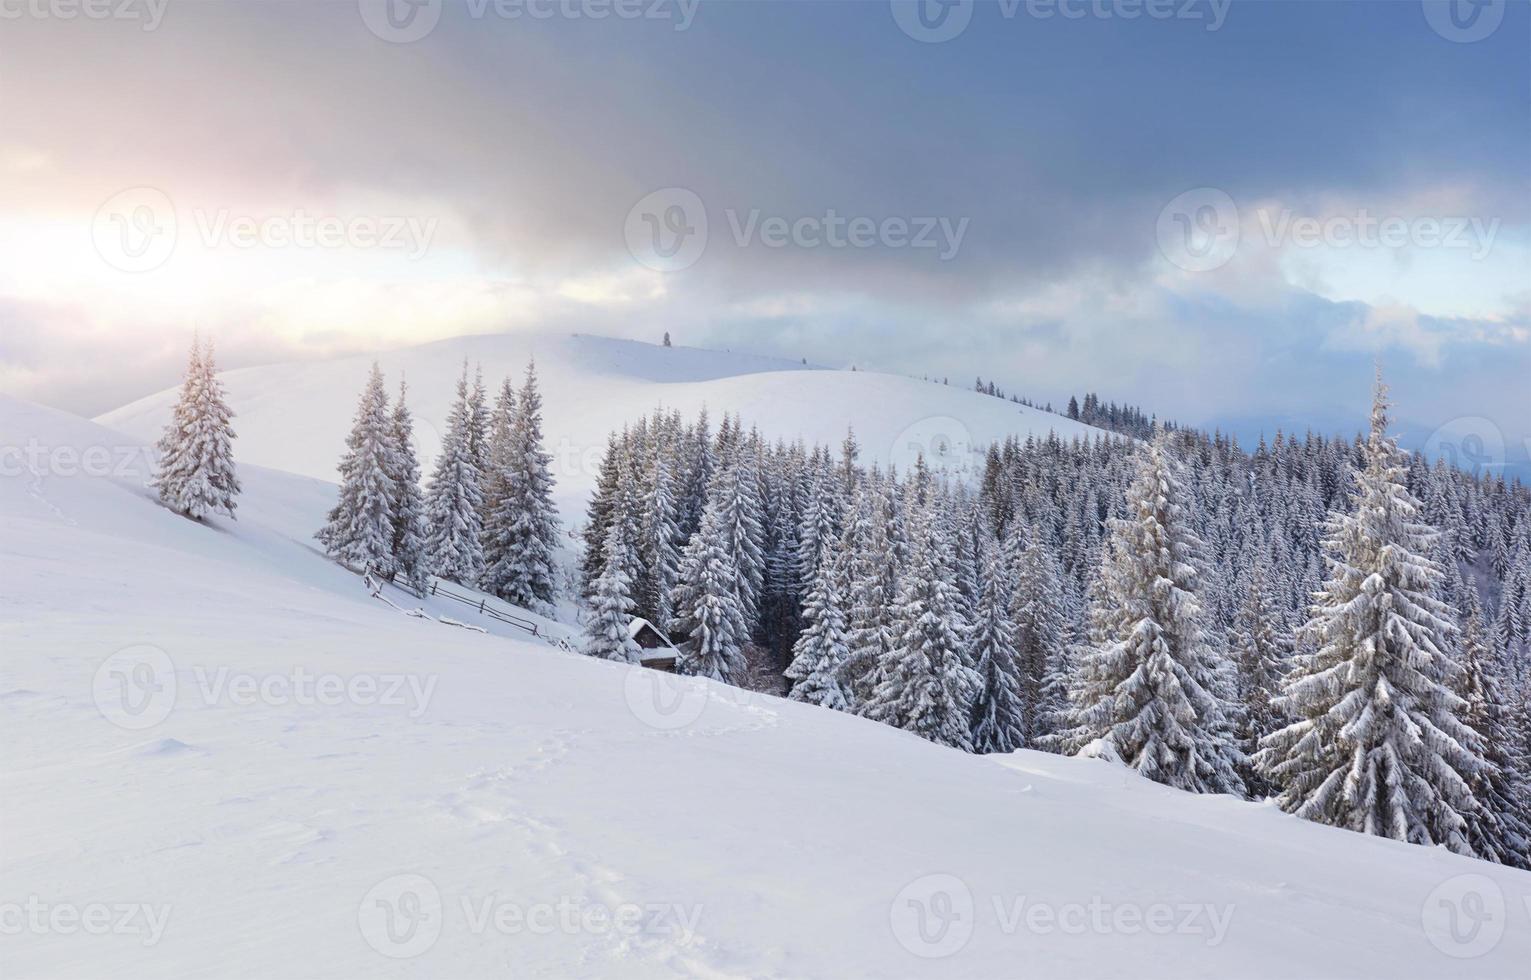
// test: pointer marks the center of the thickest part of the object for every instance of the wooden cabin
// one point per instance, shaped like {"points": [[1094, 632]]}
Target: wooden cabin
{"points": [[658, 652]]}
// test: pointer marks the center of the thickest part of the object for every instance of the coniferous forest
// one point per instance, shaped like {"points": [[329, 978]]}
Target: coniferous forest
{"points": [[1332, 623]]}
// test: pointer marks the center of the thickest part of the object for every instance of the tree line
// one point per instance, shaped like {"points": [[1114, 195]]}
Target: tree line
{"points": [[1332, 623]]}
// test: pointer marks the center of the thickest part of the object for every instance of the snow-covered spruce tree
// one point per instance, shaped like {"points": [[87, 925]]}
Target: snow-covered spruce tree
{"points": [[925, 685], [740, 506], [1260, 657], [360, 530], [494, 481], [1146, 692], [999, 719], [524, 525], [603, 504], [1042, 636], [707, 605], [1378, 744], [195, 475], [611, 603], [409, 527], [454, 545], [478, 421], [661, 546], [818, 657], [1500, 828]]}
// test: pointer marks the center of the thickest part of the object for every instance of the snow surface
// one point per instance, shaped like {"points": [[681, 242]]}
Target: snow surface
{"points": [[273, 836], [294, 417]]}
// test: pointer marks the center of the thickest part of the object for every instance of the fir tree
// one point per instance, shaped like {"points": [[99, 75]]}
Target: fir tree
{"points": [[925, 686], [661, 537], [524, 526], [409, 528], [1147, 692], [707, 605], [999, 720], [360, 529], [1260, 658], [195, 473], [606, 629], [454, 545], [1499, 828], [1041, 620], [1378, 745], [818, 657]]}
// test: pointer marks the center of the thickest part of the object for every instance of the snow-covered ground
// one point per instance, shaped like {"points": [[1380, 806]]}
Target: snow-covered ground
{"points": [[222, 757], [294, 417]]}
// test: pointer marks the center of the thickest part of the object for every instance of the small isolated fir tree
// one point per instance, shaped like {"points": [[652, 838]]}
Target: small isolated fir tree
{"points": [[999, 721], [611, 602], [360, 530], [455, 546], [195, 475], [819, 656], [1146, 690], [1378, 744], [408, 502], [707, 605]]}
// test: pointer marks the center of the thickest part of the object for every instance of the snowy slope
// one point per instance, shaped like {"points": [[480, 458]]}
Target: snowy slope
{"points": [[512, 809], [294, 417]]}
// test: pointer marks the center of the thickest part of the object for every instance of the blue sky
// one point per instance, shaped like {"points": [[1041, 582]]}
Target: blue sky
{"points": [[1070, 152]]}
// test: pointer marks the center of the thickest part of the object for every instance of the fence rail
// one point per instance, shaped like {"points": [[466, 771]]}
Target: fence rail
{"points": [[482, 605]]}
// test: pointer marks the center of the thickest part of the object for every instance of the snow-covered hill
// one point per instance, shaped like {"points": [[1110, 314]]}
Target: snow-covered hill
{"points": [[222, 757], [294, 417]]}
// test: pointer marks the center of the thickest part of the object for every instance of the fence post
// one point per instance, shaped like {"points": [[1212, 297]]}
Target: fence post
{"points": [[481, 607]]}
